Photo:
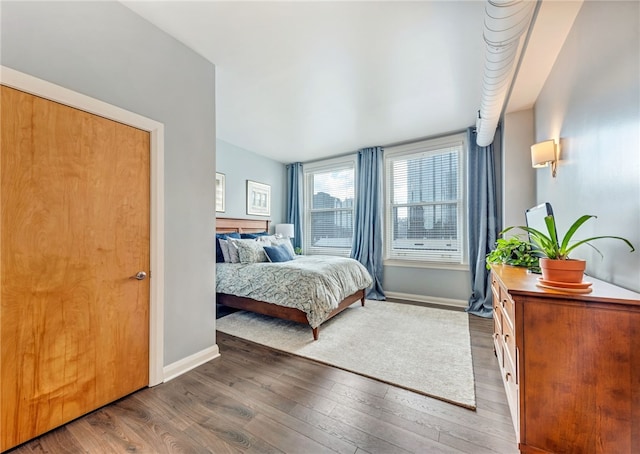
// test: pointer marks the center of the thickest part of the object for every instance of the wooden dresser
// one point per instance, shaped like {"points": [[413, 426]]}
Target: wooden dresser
{"points": [[570, 364]]}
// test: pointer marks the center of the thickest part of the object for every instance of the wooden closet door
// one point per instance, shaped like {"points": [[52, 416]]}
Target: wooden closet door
{"points": [[74, 325]]}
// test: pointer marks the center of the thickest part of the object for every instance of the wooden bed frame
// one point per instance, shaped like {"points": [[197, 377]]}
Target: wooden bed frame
{"points": [[228, 225]]}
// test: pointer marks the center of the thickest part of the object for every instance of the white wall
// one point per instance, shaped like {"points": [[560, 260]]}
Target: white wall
{"points": [[105, 51], [240, 165], [446, 286], [518, 177], [591, 100]]}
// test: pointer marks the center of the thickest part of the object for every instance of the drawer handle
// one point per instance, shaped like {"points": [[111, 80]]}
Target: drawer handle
{"points": [[504, 302], [507, 375], [506, 336]]}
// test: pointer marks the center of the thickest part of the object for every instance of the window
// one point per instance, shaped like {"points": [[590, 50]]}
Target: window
{"points": [[425, 212], [329, 203]]}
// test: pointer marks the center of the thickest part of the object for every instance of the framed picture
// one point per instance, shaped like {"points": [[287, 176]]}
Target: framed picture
{"points": [[220, 183], [258, 198]]}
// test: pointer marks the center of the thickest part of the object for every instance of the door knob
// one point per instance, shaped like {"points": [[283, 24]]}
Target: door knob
{"points": [[140, 275]]}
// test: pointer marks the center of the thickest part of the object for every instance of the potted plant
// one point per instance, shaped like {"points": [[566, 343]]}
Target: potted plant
{"points": [[515, 252], [555, 264]]}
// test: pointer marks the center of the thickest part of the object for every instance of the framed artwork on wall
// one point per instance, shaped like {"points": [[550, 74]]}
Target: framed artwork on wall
{"points": [[258, 198], [220, 183]]}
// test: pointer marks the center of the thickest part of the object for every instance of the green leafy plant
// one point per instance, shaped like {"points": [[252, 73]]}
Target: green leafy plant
{"points": [[513, 251], [547, 245], [298, 251]]}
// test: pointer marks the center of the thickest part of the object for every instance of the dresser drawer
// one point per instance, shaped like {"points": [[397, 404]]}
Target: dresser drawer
{"points": [[497, 306], [498, 344], [509, 376], [498, 341], [508, 339], [497, 316], [508, 308], [495, 287], [512, 390]]}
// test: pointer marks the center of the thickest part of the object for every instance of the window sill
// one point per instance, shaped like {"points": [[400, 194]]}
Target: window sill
{"points": [[431, 265]]}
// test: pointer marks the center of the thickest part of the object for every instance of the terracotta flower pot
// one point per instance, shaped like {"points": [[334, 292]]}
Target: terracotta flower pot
{"points": [[571, 270]]}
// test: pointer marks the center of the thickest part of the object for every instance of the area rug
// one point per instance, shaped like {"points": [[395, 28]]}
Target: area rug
{"points": [[422, 349]]}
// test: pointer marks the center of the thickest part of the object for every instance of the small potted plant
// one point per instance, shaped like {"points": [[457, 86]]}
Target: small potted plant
{"points": [[555, 264], [515, 252]]}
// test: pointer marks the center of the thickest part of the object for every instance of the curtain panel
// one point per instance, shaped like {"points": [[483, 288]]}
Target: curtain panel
{"points": [[295, 201], [367, 235], [482, 218]]}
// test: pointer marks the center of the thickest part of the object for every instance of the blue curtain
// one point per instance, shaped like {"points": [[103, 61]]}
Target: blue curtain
{"points": [[367, 237], [294, 201], [483, 226]]}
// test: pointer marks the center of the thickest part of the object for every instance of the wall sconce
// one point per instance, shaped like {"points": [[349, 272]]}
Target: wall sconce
{"points": [[284, 231], [543, 153]]}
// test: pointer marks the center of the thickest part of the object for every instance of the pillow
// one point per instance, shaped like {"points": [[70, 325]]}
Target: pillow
{"points": [[224, 245], [223, 236], [250, 251], [288, 250], [267, 239], [286, 242], [278, 253], [234, 256], [253, 235]]}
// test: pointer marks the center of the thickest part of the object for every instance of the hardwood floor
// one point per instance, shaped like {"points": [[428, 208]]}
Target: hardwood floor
{"points": [[257, 400]]}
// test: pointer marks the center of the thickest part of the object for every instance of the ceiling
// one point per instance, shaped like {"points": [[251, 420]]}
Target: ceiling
{"points": [[299, 81]]}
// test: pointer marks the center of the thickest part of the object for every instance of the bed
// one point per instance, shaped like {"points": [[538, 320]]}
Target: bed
{"points": [[281, 310]]}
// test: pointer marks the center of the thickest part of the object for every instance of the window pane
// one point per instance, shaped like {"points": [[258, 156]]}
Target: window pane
{"points": [[333, 189], [329, 219], [429, 227], [424, 203], [426, 178], [332, 229]]}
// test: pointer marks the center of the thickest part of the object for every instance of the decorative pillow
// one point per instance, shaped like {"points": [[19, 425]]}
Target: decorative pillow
{"points": [[253, 236], [250, 251], [224, 245], [266, 239], [234, 255], [288, 248], [223, 236], [286, 242], [219, 256], [278, 253]]}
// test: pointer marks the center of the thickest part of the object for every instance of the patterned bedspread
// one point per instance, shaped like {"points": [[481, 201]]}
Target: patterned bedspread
{"points": [[314, 284]]}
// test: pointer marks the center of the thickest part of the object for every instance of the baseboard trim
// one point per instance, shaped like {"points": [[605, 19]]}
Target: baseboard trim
{"points": [[184, 365], [427, 299]]}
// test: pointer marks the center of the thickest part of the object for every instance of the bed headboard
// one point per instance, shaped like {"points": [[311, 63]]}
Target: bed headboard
{"points": [[228, 225]]}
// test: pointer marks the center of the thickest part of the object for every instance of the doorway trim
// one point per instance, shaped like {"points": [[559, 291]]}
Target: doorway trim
{"points": [[38, 87]]}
